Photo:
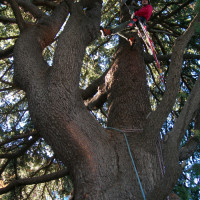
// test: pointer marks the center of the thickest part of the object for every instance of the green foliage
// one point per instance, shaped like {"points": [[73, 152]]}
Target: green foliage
{"points": [[197, 6], [197, 9], [15, 123], [197, 134], [188, 186], [197, 27]]}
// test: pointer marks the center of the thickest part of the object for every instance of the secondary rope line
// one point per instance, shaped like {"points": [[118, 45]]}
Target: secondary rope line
{"points": [[130, 154], [152, 49], [160, 161]]}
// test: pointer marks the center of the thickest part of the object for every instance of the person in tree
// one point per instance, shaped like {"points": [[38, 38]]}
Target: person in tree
{"points": [[142, 14]]}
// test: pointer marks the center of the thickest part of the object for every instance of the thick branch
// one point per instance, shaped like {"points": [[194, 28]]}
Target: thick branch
{"points": [[7, 83], [172, 171], [28, 6], [35, 180], [9, 37], [187, 114], [189, 149], [73, 131], [7, 52], [28, 55], [4, 166], [197, 120], [6, 20], [19, 18], [22, 150], [89, 3], [91, 90], [172, 86], [52, 24], [78, 36], [98, 100], [45, 3], [33, 9], [171, 154], [149, 58], [16, 137]]}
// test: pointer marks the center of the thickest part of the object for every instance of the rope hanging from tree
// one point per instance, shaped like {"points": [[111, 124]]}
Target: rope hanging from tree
{"points": [[149, 44], [130, 154]]}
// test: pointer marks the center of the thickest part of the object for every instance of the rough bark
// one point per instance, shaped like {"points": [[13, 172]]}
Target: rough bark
{"points": [[98, 160], [128, 100], [55, 102]]}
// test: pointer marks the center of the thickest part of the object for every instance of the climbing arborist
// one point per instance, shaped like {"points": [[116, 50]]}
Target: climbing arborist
{"points": [[142, 14]]}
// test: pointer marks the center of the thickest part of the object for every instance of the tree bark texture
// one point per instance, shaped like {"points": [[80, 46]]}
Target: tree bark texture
{"points": [[97, 158]]}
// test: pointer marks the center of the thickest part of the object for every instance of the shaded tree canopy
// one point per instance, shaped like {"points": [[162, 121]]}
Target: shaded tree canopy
{"points": [[88, 115]]}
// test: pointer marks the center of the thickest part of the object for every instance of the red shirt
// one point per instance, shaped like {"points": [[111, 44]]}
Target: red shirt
{"points": [[145, 11]]}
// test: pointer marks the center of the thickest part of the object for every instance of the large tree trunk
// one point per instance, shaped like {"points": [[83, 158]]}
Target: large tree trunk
{"points": [[128, 112], [98, 159]]}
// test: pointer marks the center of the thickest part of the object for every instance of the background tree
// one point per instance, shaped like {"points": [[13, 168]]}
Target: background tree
{"points": [[58, 75]]}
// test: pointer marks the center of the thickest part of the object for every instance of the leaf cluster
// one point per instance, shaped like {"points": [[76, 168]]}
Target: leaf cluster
{"points": [[25, 155]]}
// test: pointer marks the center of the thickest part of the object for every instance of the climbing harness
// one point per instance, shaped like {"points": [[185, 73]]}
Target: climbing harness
{"points": [[130, 154]]}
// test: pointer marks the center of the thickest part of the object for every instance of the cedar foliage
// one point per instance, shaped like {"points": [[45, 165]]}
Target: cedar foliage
{"points": [[24, 154]]}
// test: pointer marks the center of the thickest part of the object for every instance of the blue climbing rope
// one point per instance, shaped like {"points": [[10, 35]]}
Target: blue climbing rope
{"points": [[129, 150]]}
